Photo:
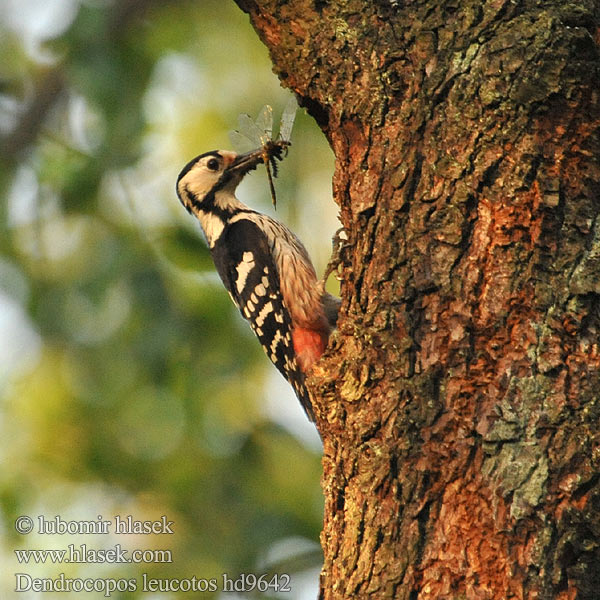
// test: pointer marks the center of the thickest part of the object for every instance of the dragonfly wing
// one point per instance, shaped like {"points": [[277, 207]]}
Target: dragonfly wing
{"points": [[240, 142], [264, 124], [249, 128], [287, 119]]}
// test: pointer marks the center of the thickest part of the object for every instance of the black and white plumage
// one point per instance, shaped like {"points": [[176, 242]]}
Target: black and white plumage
{"points": [[263, 265]]}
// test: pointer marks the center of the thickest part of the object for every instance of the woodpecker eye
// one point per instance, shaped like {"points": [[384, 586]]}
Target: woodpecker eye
{"points": [[213, 164]]}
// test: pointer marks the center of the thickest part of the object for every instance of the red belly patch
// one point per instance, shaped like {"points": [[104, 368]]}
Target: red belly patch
{"points": [[309, 345]]}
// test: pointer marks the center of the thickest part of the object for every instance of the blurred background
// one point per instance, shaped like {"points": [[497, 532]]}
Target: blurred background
{"points": [[129, 384]]}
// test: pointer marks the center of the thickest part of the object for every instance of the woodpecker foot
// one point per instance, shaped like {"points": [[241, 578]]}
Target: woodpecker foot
{"points": [[339, 243]]}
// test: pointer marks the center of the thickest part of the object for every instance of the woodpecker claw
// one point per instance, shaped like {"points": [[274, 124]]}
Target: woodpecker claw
{"points": [[339, 244]]}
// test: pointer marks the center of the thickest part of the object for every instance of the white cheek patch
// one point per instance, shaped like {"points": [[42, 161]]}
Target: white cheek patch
{"points": [[243, 269]]}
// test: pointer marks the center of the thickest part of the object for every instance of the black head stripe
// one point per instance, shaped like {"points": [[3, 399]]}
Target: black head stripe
{"points": [[192, 162]]}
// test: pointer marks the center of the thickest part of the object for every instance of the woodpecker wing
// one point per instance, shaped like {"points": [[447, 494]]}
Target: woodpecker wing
{"points": [[245, 263]]}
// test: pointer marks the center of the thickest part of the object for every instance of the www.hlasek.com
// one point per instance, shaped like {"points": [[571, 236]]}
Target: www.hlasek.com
{"points": [[83, 554], [246, 582]]}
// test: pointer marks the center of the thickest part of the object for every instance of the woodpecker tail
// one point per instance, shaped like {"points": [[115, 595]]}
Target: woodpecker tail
{"points": [[331, 306], [310, 343]]}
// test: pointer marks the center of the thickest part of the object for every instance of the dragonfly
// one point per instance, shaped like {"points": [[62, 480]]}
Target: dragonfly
{"points": [[259, 132]]}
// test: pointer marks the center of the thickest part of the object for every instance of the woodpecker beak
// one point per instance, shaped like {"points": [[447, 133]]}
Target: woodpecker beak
{"points": [[244, 163]]}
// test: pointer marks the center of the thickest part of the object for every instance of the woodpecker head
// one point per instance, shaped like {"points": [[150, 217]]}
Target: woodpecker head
{"points": [[212, 172]]}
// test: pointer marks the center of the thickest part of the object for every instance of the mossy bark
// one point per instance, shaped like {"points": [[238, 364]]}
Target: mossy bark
{"points": [[459, 401]]}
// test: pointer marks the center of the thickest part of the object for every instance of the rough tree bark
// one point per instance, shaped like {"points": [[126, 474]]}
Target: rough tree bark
{"points": [[459, 403]]}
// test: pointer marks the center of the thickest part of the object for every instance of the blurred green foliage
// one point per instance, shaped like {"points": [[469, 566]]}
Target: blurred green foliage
{"points": [[128, 383]]}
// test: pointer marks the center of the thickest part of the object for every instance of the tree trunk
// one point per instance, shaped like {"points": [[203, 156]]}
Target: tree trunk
{"points": [[459, 402]]}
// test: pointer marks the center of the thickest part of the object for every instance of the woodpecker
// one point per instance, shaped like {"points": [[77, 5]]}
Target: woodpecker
{"points": [[263, 265]]}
